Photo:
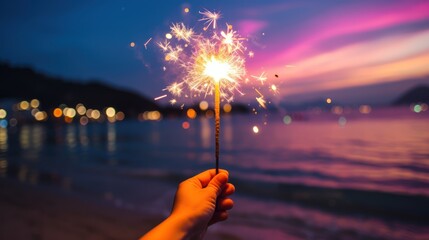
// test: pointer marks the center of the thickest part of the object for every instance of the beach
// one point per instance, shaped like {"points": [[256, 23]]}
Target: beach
{"points": [[39, 212], [314, 178]]}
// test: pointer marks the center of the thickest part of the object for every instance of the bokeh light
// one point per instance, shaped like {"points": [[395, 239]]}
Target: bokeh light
{"points": [[287, 120], [110, 112], [365, 109], [57, 112], [34, 103], [186, 125], [24, 105], [191, 113], [255, 129], [81, 109], [95, 114], [204, 105], [3, 113], [41, 116], [342, 121], [227, 108], [120, 116]]}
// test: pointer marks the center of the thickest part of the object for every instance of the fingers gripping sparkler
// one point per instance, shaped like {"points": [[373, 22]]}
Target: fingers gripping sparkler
{"points": [[212, 62]]}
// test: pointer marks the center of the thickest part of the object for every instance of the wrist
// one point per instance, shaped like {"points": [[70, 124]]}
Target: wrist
{"points": [[186, 226]]}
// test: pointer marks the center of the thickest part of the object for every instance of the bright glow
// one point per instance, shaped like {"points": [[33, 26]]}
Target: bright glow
{"points": [[328, 101], [227, 108], [132, 44], [417, 108], [191, 113], [24, 105], [81, 109], [274, 88], [95, 114], [204, 105], [110, 112], [34, 103], [69, 112], [168, 36], [181, 32], [217, 69], [3, 113], [57, 112], [255, 129], [151, 115], [41, 116], [186, 10], [205, 59]]}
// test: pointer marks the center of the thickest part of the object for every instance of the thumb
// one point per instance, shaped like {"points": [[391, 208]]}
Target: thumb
{"points": [[218, 182]]}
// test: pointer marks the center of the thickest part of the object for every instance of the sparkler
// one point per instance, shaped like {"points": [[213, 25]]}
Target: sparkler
{"points": [[212, 62]]}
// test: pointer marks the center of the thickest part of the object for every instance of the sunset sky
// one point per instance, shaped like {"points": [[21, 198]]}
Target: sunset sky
{"points": [[317, 48]]}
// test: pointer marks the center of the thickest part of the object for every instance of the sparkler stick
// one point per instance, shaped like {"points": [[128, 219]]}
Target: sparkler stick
{"points": [[217, 122]]}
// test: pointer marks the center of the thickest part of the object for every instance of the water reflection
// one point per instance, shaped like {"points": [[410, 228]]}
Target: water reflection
{"points": [[71, 136], [24, 137], [111, 138], [111, 144], [205, 133], [228, 133], [83, 136], [32, 138], [3, 167], [3, 140]]}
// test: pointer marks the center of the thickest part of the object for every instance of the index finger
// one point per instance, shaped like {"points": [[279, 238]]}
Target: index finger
{"points": [[205, 177]]}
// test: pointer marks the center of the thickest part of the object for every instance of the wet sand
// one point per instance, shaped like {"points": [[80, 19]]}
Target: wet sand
{"points": [[39, 212]]}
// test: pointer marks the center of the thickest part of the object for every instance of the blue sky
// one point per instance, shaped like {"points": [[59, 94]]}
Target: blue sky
{"points": [[313, 46]]}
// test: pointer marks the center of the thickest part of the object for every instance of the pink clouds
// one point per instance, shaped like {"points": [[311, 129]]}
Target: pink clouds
{"points": [[249, 27], [351, 21], [359, 60]]}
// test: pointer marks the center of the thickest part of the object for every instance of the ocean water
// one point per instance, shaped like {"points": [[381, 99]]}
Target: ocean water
{"points": [[320, 176]]}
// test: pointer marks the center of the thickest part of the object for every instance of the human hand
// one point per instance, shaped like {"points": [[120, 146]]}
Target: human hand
{"points": [[199, 202], [203, 200]]}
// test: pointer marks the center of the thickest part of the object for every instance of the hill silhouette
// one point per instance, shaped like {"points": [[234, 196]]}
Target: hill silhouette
{"points": [[415, 95], [24, 83]]}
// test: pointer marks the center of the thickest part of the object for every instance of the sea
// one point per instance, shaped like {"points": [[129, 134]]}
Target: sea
{"points": [[307, 175]]}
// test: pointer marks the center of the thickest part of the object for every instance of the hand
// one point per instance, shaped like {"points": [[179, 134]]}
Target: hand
{"points": [[203, 199], [199, 202]]}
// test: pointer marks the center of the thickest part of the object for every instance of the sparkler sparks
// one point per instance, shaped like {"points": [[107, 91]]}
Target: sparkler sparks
{"points": [[147, 42], [261, 99], [262, 78], [206, 60], [181, 32], [212, 64], [210, 18], [160, 97]]}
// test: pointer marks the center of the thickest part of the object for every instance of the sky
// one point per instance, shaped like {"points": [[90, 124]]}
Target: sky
{"points": [[316, 48]]}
